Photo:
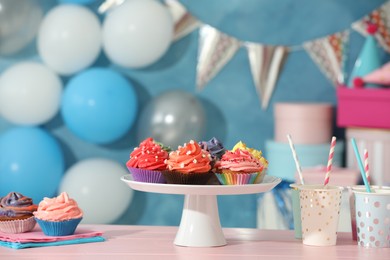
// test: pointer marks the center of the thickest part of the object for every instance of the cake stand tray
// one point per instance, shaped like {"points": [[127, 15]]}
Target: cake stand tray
{"points": [[200, 225]]}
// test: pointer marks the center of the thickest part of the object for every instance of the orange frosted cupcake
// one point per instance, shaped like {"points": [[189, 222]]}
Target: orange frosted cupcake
{"points": [[16, 213], [58, 216], [238, 168], [147, 162], [189, 164]]}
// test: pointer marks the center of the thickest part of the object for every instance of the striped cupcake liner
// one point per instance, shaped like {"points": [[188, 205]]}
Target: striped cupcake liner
{"points": [[237, 178]]}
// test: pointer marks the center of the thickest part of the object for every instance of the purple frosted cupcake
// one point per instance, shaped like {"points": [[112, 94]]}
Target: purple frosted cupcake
{"points": [[16, 213], [146, 162]]}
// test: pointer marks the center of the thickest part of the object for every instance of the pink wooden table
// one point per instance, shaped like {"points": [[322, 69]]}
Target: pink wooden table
{"points": [[149, 242]]}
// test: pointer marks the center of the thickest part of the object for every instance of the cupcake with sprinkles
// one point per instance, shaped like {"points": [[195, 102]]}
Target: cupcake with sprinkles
{"points": [[239, 167], [189, 164], [147, 161]]}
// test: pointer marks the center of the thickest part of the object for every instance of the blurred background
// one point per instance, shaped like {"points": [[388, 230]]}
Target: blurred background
{"points": [[83, 82]]}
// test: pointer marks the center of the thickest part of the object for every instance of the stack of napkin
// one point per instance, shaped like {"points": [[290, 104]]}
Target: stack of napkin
{"points": [[36, 238]]}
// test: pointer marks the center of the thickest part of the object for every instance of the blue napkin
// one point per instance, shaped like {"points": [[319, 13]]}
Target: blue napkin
{"points": [[17, 245]]}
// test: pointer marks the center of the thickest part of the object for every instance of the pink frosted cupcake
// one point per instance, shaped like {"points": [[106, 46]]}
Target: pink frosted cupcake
{"points": [[16, 213], [189, 164], [58, 216], [238, 168], [146, 162]]}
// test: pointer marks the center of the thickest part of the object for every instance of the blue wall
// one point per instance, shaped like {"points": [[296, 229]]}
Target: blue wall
{"points": [[230, 99]]}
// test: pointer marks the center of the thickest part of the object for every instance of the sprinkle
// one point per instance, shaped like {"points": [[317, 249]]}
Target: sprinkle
{"points": [[179, 147], [171, 153], [165, 161], [177, 152], [182, 165], [185, 144], [203, 155], [147, 152], [135, 148], [146, 160], [188, 152], [169, 167], [135, 157], [192, 142], [194, 161], [143, 152], [156, 157]]}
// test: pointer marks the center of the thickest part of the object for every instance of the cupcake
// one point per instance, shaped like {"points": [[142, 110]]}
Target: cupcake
{"points": [[146, 162], [238, 167], [258, 155], [58, 216], [16, 213], [189, 164]]}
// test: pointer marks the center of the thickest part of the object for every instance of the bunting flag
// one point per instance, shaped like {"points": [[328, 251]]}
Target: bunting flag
{"points": [[214, 52], [381, 18], [330, 54], [266, 63], [184, 22]]}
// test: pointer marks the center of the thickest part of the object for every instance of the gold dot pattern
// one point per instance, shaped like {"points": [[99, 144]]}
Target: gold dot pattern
{"points": [[319, 215], [373, 221]]}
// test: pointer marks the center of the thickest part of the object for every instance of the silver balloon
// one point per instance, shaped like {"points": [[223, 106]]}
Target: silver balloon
{"points": [[172, 118], [19, 23]]}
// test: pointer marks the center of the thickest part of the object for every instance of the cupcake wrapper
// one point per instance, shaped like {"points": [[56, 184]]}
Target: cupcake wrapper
{"points": [[18, 225], [260, 177], [143, 175], [237, 178], [173, 177], [58, 228]]}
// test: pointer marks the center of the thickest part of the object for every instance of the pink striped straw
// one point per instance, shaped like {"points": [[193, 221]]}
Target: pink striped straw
{"points": [[366, 167], [330, 159]]}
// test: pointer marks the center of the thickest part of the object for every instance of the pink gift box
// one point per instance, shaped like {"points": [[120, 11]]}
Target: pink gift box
{"points": [[363, 107], [307, 123]]}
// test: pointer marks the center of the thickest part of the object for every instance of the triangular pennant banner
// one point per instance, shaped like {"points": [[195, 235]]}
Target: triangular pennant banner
{"points": [[215, 51], [185, 23], [266, 63], [381, 18], [330, 53]]}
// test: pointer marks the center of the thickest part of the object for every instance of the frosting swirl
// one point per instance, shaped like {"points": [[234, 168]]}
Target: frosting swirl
{"points": [[58, 209], [15, 205], [239, 161], [189, 158], [149, 155], [214, 147], [256, 153]]}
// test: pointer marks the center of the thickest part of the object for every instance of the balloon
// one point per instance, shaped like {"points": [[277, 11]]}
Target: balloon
{"points": [[99, 105], [95, 185], [137, 33], [69, 39], [30, 93], [31, 162], [19, 23], [172, 118]]}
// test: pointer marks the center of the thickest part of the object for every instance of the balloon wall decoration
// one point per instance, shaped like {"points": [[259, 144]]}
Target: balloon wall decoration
{"points": [[99, 105], [19, 23], [69, 39], [137, 33], [95, 184], [30, 93], [172, 118], [31, 162]]}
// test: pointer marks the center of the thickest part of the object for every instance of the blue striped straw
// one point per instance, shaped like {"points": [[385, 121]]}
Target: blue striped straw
{"points": [[360, 163]]}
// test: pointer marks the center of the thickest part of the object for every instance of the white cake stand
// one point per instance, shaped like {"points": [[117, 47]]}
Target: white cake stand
{"points": [[200, 225]]}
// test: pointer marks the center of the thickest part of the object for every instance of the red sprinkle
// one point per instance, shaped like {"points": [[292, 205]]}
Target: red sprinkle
{"points": [[371, 28], [358, 82]]}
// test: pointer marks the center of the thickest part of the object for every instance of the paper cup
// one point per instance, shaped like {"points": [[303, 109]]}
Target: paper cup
{"points": [[352, 204], [373, 217], [320, 211], [296, 205]]}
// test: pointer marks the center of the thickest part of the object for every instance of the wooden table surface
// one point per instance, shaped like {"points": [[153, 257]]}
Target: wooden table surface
{"points": [[155, 242]]}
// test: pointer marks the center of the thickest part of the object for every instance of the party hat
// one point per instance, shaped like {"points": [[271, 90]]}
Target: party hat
{"points": [[368, 59]]}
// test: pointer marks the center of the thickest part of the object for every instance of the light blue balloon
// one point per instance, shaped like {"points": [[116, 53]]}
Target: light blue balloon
{"points": [[99, 105], [80, 2], [31, 162], [367, 61]]}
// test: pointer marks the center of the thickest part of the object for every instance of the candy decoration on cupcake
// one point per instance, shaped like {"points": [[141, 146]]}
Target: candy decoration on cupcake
{"points": [[189, 164], [214, 147], [147, 161], [16, 213]]}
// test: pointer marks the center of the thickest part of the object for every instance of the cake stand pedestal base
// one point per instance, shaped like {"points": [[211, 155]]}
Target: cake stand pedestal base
{"points": [[200, 225]]}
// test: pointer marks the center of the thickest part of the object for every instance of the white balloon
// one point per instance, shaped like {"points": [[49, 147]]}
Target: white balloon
{"points": [[137, 33], [69, 39], [96, 186], [30, 93]]}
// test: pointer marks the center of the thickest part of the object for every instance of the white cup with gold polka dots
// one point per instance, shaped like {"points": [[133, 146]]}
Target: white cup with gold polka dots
{"points": [[320, 211], [373, 217]]}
